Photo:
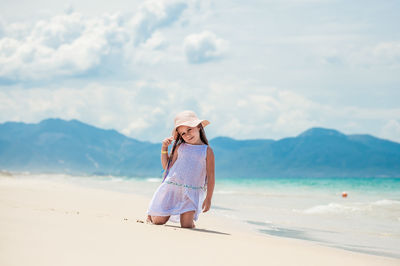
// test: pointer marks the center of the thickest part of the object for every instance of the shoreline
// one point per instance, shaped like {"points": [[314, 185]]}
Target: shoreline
{"points": [[46, 222]]}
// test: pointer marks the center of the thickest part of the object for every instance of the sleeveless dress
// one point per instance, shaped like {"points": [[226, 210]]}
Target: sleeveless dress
{"points": [[184, 188]]}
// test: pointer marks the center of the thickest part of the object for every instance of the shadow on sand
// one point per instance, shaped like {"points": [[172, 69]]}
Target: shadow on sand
{"points": [[198, 230], [195, 229]]}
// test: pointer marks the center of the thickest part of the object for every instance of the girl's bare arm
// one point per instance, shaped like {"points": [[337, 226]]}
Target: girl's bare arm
{"points": [[210, 163], [165, 157]]}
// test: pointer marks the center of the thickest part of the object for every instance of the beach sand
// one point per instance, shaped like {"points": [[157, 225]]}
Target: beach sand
{"points": [[60, 223]]}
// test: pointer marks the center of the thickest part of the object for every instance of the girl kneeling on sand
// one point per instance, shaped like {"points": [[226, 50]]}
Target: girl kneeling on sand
{"points": [[188, 184]]}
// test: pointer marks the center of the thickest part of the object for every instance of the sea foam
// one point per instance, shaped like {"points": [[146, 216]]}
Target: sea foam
{"points": [[337, 208]]}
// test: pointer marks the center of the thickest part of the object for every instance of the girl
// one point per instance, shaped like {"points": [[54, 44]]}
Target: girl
{"points": [[189, 179]]}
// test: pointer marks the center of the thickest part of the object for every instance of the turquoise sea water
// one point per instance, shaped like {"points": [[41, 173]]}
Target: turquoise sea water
{"points": [[367, 220]]}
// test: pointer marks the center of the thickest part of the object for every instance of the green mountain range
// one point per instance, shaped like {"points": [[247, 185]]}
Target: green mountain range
{"points": [[73, 147]]}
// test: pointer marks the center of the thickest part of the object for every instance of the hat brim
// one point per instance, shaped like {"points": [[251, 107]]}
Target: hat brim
{"points": [[194, 123]]}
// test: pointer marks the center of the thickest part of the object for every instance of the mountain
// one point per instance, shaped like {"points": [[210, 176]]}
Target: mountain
{"points": [[73, 147], [56, 145], [317, 152]]}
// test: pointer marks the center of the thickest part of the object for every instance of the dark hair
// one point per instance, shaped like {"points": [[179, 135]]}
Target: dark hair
{"points": [[179, 140]]}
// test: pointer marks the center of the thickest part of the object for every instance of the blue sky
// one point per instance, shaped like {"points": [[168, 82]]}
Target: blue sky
{"points": [[254, 69]]}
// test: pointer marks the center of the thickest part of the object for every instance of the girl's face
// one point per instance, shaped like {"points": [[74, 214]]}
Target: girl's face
{"points": [[190, 135]]}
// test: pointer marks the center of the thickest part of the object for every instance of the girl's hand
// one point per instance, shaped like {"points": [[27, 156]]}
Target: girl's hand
{"points": [[206, 204], [166, 142]]}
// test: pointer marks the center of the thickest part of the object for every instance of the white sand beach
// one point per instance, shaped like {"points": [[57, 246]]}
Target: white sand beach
{"points": [[55, 223]]}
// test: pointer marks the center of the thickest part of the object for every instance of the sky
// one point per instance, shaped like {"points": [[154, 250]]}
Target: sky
{"points": [[255, 69]]}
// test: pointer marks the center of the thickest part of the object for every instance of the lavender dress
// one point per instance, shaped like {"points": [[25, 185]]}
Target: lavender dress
{"points": [[184, 188]]}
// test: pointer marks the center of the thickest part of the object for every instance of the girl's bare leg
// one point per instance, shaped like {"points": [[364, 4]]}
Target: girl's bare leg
{"points": [[187, 219], [157, 219]]}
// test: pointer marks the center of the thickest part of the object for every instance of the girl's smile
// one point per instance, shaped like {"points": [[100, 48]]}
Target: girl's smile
{"points": [[190, 135]]}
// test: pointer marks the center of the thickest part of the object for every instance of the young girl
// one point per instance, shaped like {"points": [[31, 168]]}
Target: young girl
{"points": [[189, 179]]}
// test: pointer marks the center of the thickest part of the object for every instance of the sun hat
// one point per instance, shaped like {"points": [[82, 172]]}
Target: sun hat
{"points": [[187, 118]]}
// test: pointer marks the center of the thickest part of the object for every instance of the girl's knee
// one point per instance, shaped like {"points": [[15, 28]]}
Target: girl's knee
{"points": [[187, 219], [159, 220], [187, 225]]}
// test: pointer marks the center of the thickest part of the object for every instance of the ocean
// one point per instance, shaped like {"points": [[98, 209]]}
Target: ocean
{"points": [[314, 209]]}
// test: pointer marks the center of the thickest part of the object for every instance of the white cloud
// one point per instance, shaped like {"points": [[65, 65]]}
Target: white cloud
{"points": [[123, 108], [258, 112], [387, 53], [245, 111], [71, 44], [340, 58], [150, 52], [66, 45], [145, 110], [391, 130], [204, 47], [380, 54], [154, 15]]}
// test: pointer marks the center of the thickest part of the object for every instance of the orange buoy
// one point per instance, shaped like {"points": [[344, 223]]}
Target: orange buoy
{"points": [[344, 194]]}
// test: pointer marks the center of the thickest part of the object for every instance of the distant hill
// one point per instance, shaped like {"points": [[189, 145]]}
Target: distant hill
{"points": [[56, 145], [73, 147]]}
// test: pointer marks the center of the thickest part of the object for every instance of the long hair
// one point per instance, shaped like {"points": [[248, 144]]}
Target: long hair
{"points": [[179, 140]]}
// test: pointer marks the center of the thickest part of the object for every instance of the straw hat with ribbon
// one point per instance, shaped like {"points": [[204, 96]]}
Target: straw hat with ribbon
{"points": [[187, 118]]}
